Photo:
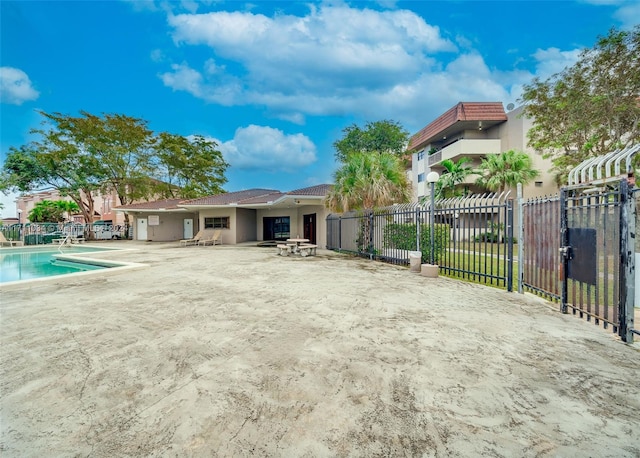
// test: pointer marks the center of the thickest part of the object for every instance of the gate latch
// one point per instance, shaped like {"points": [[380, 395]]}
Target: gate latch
{"points": [[566, 252]]}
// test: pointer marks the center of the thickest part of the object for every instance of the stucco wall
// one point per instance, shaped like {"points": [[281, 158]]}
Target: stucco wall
{"points": [[171, 226], [321, 222], [514, 136], [296, 215], [245, 227], [228, 236], [292, 213]]}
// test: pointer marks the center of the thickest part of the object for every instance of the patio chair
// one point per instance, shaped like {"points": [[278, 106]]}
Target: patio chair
{"points": [[214, 239], [193, 241], [5, 242]]}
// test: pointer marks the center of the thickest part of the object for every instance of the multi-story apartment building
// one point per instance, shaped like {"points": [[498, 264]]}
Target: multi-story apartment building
{"points": [[474, 130], [103, 210]]}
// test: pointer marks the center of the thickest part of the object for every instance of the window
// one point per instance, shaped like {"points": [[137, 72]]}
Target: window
{"points": [[276, 228], [420, 177], [219, 222], [421, 155]]}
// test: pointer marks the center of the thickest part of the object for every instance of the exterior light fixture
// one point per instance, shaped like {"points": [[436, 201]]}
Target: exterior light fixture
{"points": [[432, 177]]}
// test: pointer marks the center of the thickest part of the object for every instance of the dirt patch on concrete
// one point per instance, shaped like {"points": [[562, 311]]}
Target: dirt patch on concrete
{"points": [[228, 351]]}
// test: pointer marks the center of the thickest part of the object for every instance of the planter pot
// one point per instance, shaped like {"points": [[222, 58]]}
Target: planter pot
{"points": [[429, 270]]}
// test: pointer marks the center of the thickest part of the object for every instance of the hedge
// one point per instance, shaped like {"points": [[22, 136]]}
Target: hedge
{"points": [[403, 237]]}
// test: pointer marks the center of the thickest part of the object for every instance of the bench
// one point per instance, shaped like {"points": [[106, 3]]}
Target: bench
{"points": [[306, 249], [284, 249]]}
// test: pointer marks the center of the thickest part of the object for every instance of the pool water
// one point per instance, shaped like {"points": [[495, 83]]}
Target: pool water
{"points": [[29, 263]]}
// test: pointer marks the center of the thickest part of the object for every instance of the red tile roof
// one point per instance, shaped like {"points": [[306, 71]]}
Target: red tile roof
{"points": [[463, 111]]}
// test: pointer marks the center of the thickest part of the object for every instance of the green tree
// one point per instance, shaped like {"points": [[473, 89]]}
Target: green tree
{"points": [[48, 211], [53, 162], [506, 169], [192, 167], [590, 108], [67, 207], [88, 153], [122, 147], [384, 136], [455, 173], [367, 181]]}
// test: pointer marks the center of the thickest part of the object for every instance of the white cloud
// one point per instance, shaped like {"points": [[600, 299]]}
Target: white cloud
{"points": [[628, 15], [15, 86], [9, 202], [551, 61], [268, 149], [338, 60], [157, 55], [224, 91], [314, 60]]}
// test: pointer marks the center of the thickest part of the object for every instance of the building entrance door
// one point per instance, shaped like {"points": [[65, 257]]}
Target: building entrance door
{"points": [[141, 229], [309, 227], [187, 230]]}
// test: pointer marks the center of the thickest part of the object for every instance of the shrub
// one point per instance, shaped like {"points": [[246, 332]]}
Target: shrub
{"points": [[403, 237]]}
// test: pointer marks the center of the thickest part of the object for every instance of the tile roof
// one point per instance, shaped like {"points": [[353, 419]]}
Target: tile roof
{"points": [[320, 190], [232, 197], [155, 205], [463, 111], [246, 197], [263, 199]]}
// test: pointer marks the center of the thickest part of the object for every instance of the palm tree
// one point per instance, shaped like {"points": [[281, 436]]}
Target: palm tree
{"points": [[507, 169], [366, 181], [455, 173], [67, 206]]}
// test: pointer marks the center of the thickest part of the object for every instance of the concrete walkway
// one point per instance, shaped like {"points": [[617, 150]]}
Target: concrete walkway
{"points": [[235, 351]]}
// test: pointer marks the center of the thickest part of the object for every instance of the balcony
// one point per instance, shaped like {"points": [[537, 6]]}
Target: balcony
{"points": [[469, 148]]}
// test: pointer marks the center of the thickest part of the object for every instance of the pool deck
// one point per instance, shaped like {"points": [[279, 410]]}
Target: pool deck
{"points": [[236, 351]]}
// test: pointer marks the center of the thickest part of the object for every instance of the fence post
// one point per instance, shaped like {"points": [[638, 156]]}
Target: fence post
{"points": [[627, 262], [340, 232], [520, 240], [418, 227], [564, 242], [509, 235], [432, 224], [370, 241]]}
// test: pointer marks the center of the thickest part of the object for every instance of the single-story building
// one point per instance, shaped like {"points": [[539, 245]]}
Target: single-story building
{"points": [[243, 216]]}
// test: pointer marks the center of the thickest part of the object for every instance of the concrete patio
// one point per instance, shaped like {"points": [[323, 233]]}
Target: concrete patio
{"points": [[236, 351]]}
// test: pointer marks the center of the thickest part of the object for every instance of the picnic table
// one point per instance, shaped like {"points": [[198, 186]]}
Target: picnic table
{"points": [[297, 246]]}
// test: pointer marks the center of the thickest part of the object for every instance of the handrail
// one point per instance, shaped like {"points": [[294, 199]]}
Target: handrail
{"points": [[64, 242]]}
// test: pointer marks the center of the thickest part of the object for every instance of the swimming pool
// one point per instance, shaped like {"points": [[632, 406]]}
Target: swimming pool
{"points": [[40, 262]]}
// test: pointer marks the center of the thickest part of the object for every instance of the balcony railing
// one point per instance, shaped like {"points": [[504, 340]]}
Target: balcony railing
{"points": [[471, 147]]}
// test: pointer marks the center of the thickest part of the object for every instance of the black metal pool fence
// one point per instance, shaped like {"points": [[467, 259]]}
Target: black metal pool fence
{"points": [[45, 233], [473, 236]]}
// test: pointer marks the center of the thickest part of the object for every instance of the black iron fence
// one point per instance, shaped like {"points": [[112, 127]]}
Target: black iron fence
{"points": [[472, 236], [579, 249], [540, 246], [45, 233]]}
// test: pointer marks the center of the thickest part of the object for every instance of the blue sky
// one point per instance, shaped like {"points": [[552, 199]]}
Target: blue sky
{"points": [[274, 83]]}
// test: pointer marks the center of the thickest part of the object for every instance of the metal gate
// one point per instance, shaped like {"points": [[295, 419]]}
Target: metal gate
{"points": [[579, 248], [596, 256], [539, 247]]}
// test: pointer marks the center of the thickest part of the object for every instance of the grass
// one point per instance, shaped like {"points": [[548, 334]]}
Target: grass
{"points": [[478, 267]]}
